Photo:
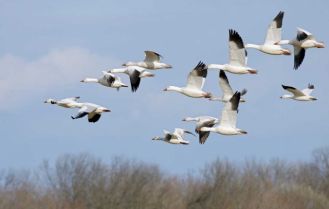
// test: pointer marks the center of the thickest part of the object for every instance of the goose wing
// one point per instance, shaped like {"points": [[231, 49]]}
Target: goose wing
{"points": [[179, 132], [203, 135], [197, 76], [299, 54], [230, 111], [151, 56], [93, 117], [274, 30], [70, 99], [85, 110], [309, 89], [135, 79], [109, 77], [303, 35], [225, 84], [237, 52], [293, 90]]}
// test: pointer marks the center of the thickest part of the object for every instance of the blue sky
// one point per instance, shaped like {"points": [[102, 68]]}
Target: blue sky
{"points": [[47, 47]]}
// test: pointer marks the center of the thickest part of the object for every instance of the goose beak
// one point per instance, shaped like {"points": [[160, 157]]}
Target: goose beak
{"points": [[82, 81], [165, 89], [106, 110]]}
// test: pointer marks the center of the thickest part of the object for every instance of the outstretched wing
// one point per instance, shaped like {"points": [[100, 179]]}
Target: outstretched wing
{"points": [[197, 76], [134, 80], [299, 54], [309, 89], [237, 52], [293, 90], [71, 99], [303, 35], [203, 135], [230, 111], [274, 30], [93, 117], [151, 56], [225, 84]]}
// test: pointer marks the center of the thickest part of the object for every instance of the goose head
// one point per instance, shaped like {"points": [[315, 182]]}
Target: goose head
{"points": [[50, 101]]}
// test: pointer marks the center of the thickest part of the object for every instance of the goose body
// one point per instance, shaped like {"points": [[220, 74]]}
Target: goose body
{"points": [[227, 124], [67, 102], [195, 83], [151, 61], [135, 74], [237, 57], [226, 88], [108, 80], [174, 138], [299, 95], [93, 111], [272, 37], [303, 41], [202, 121]]}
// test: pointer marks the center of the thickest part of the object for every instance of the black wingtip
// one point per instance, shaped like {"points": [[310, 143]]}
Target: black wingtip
{"points": [[236, 38], [278, 19], [222, 74], [201, 69], [310, 86]]}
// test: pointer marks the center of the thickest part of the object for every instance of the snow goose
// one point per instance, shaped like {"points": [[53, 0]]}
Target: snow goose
{"points": [[174, 138], [272, 37], [135, 74], [108, 79], [237, 56], [67, 102], [195, 82], [151, 61], [227, 89], [202, 121], [227, 124], [303, 95], [303, 41], [92, 110]]}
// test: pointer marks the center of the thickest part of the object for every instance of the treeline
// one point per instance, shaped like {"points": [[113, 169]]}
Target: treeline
{"points": [[84, 182]]}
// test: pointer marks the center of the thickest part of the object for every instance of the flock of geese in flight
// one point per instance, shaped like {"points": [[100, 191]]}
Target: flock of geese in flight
{"points": [[237, 64]]}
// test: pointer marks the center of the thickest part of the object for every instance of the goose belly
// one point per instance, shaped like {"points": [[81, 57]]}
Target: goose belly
{"points": [[271, 49], [236, 69], [227, 131], [303, 98], [195, 93]]}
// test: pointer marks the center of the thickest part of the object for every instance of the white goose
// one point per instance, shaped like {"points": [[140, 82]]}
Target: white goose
{"points": [[303, 95], [202, 121], [227, 124], [151, 61], [108, 79], [67, 102], [195, 82], [135, 74], [92, 110], [224, 84], [272, 37], [174, 138], [237, 56], [303, 41]]}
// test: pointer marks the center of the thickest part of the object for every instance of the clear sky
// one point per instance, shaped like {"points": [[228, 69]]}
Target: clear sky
{"points": [[47, 47]]}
